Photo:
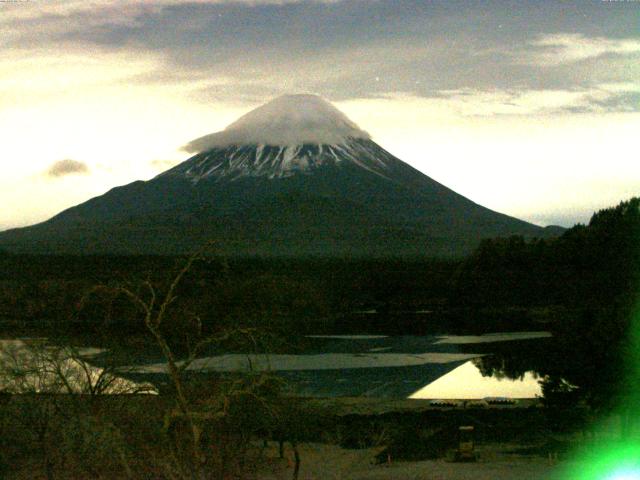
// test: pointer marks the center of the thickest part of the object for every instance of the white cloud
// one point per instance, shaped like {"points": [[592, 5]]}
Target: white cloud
{"points": [[49, 73], [286, 120], [473, 102], [63, 8], [562, 48], [620, 87], [470, 102], [26, 21]]}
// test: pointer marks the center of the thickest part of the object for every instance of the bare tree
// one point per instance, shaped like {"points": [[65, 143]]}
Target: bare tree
{"points": [[236, 407], [29, 367], [51, 384], [155, 303]]}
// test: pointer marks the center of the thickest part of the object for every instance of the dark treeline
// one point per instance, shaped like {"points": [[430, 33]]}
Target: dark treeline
{"points": [[587, 283], [588, 266], [589, 271], [310, 294]]}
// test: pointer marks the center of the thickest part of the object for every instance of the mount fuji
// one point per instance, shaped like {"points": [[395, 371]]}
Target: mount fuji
{"points": [[294, 177]]}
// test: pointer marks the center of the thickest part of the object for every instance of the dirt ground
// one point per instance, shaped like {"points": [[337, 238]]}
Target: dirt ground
{"points": [[330, 462]]}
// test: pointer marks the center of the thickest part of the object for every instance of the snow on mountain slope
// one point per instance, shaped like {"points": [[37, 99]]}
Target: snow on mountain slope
{"points": [[272, 161], [286, 120]]}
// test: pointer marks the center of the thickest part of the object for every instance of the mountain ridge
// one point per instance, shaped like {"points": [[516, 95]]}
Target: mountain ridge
{"points": [[351, 198]]}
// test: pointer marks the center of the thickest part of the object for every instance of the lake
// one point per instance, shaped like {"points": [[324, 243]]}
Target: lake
{"points": [[376, 366]]}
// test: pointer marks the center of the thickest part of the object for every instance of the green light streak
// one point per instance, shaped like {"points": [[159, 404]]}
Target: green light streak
{"points": [[616, 459]]}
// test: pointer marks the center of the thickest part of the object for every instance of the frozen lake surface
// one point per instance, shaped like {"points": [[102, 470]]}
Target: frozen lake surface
{"points": [[425, 367], [491, 338], [238, 362]]}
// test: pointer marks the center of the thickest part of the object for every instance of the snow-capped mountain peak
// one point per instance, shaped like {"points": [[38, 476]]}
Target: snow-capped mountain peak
{"points": [[292, 178], [290, 135], [285, 121]]}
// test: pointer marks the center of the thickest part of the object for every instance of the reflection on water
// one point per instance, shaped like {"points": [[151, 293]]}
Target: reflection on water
{"points": [[466, 382], [33, 366]]}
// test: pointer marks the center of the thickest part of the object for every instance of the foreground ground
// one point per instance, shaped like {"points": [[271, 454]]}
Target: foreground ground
{"points": [[330, 462]]}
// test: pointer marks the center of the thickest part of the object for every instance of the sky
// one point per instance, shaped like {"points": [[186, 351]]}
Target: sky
{"points": [[531, 108]]}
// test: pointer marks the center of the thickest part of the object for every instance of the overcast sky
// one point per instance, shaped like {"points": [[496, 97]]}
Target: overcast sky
{"points": [[531, 108]]}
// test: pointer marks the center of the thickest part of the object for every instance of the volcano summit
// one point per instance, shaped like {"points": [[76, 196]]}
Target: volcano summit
{"points": [[294, 177]]}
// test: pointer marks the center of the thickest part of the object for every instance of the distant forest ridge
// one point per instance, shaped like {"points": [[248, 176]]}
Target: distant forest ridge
{"points": [[589, 266]]}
